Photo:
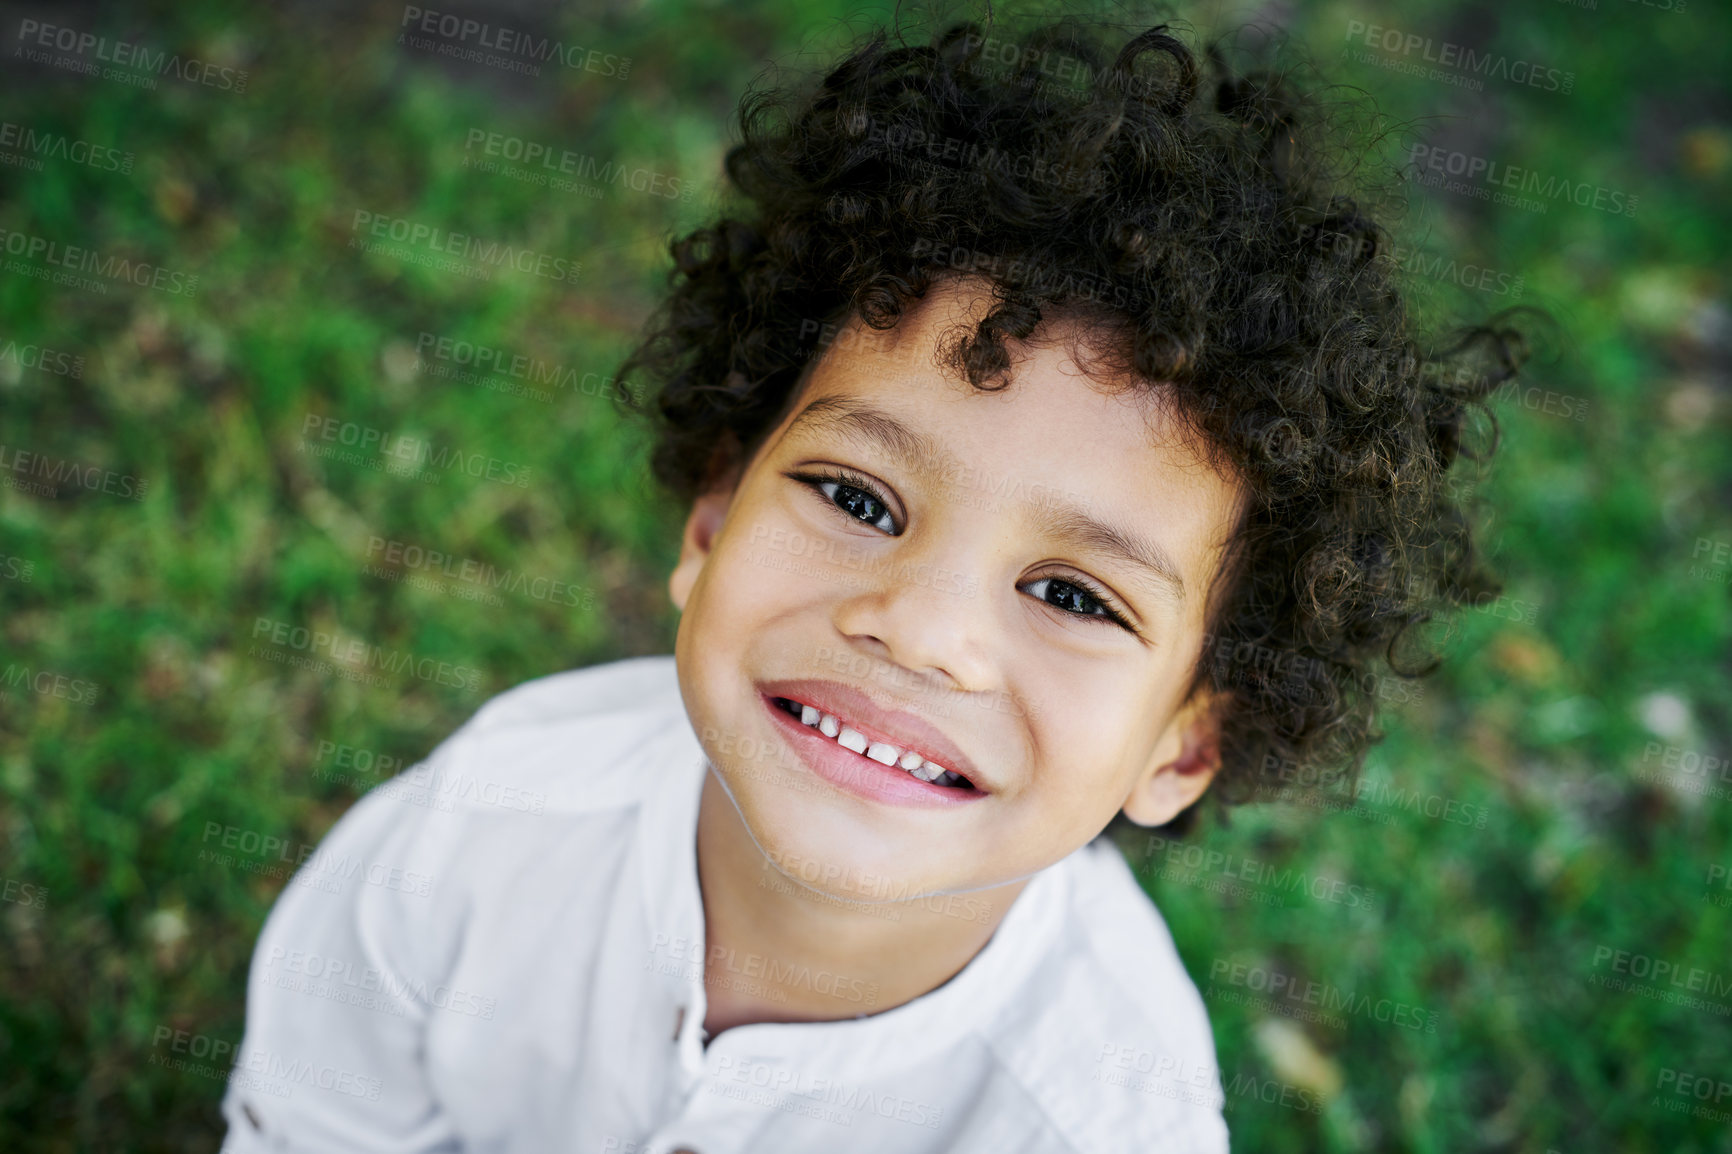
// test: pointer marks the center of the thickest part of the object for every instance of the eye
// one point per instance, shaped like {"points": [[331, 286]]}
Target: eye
{"points": [[1075, 597], [855, 496]]}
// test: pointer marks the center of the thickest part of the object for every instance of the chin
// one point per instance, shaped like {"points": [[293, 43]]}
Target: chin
{"points": [[812, 839]]}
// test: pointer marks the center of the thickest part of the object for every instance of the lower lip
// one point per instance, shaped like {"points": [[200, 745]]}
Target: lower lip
{"points": [[858, 774]]}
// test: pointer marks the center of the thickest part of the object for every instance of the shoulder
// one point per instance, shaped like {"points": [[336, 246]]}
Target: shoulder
{"points": [[1114, 1043], [575, 742], [551, 771], [575, 749]]}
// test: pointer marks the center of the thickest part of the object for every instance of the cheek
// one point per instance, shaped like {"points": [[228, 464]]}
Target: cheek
{"points": [[1093, 737], [739, 579], [752, 612], [770, 570]]}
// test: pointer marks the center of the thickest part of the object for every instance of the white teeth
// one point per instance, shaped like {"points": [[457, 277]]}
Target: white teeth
{"points": [[880, 751]]}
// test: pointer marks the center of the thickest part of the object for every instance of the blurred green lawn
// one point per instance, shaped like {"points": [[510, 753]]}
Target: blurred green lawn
{"points": [[1519, 829]]}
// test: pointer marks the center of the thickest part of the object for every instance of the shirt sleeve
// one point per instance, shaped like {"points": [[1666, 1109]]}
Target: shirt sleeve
{"points": [[341, 985]]}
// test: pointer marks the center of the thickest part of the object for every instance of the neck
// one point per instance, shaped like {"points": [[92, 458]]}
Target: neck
{"points": [[764, 932]]}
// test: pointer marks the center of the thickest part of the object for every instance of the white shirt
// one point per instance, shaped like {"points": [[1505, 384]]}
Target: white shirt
{"points": [[502, 950]]}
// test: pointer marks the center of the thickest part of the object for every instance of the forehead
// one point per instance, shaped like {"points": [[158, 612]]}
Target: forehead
{"points": [[1060, 361], [1060, 435]]}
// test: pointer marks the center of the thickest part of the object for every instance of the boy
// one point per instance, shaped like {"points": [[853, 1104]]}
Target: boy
{"points": [[1032, 370]]}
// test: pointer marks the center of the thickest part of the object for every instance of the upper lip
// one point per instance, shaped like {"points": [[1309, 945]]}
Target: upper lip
{"points": [[877, 723]]}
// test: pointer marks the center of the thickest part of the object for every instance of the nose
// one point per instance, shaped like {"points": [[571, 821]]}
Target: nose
{"points": [[928, 617]]}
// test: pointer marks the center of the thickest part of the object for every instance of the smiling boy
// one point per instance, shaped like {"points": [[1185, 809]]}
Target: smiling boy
{"points": [[1088, 616], [831, 877]]}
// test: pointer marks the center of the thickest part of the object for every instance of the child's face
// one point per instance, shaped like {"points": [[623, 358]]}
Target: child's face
{"points": [[965, 590]]}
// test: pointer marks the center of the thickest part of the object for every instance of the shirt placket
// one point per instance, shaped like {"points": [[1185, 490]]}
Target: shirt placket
{"points": [[719, 1105]]}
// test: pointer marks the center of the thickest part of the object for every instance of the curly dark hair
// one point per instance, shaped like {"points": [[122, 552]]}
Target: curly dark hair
{"points": [[1199, 216]]}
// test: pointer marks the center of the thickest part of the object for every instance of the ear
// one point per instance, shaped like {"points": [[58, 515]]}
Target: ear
{"points": [[1184, 764], [702, 525]]}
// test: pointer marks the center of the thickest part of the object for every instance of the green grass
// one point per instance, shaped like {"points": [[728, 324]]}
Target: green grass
{"points": [[1490, 936]]}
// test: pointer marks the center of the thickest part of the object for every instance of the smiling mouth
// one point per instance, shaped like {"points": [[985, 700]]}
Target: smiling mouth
{"points": [[913, 763]]}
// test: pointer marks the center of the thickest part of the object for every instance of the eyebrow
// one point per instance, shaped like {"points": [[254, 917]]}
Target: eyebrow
{"points": [[1071, 523], [1067, 521], [845, 415]]}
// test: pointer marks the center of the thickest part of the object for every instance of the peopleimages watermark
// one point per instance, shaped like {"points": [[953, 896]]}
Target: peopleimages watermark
{"points": [[803, 1091], [481, 576], [1376, 799], [1719, 876], [401, 455], [1541, 400], [474, 363], [470, 255], [16, 357], [1685, 770], [1265, 875], [1659, 5], [1239, 661], [47, 683], [693, 970], [1027, 65], [36, 473], [1415, 260], [1718, 570], [207, 1056], [1310, 1001], [548, 166], [769, 879], [68, 264], [1684, 1092], [866, 886], [1465, 274], [23, 893], [34, 146], [367, 987], [1457, 64], [1491, 604], [498, 46], [1179, 1079], [353, 657], [91, 55], [681, 956], [937, 701], [257, 1070], [1032, 276], [267, 855], [915, 147], [425, 783], [994, 55], [367, 765], [429, 783], [1534, 398], [1661, 979], [1158, 1075], [851, 556], [1486, 179]]}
